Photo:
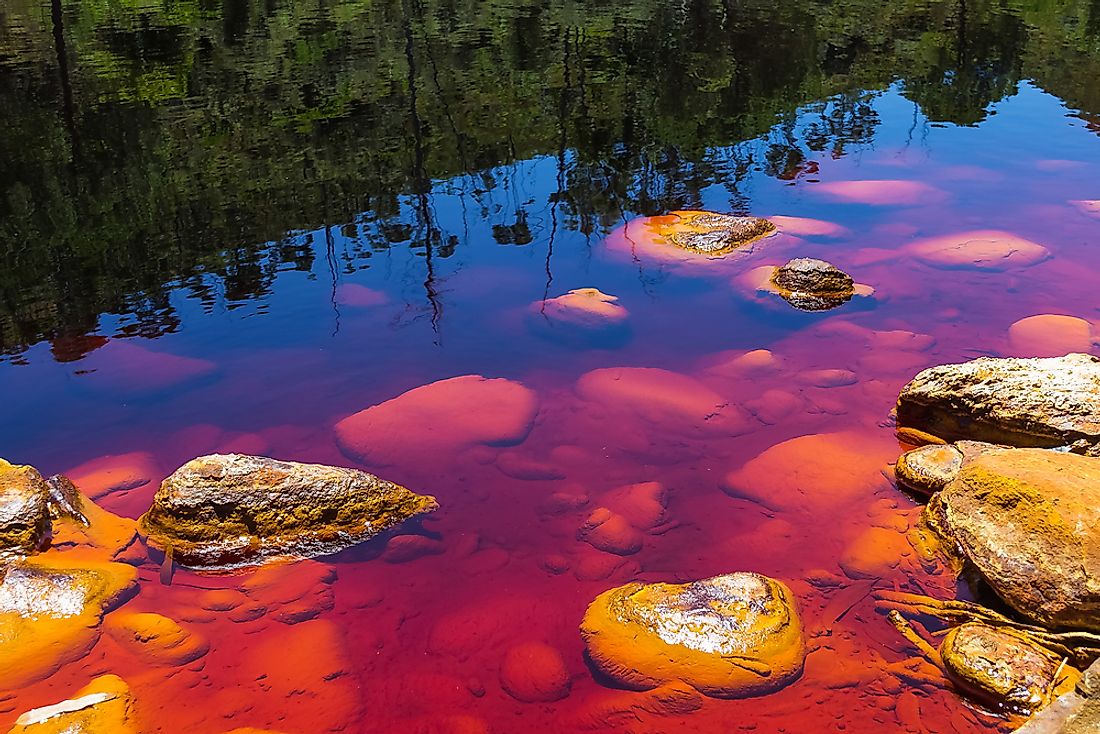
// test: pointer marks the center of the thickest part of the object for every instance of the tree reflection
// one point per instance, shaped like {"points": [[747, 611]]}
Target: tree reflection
{"points": [[176, 145]]}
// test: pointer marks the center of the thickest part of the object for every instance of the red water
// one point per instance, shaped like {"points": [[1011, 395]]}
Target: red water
{"points": [[373, 640]]}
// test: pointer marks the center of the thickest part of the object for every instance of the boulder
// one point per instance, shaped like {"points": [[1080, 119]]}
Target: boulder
{"points": [[1029, 521], [733, 635], [24, 509], [102, 707], [813, 285], [999, 666], [50, 612], [229, 509], [443, 418], [1043, 402]]}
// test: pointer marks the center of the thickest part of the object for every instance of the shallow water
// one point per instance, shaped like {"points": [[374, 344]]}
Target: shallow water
{"points": [[228, 226]]}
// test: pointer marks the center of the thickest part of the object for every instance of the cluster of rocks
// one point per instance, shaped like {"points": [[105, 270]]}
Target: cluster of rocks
{"points": [[1015, 502], [69, 566]]}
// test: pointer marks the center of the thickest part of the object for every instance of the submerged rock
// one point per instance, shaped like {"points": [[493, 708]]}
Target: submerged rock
{"points": [[155, 639], [50, 612], [229, 509], [534, 672], [584, 308], [999, 665], [102, 707], [1044, 402], [24, 508], [733, 635], [1029, 521], [443, 419], [1050, 335], [813, 285], [989, 249]]}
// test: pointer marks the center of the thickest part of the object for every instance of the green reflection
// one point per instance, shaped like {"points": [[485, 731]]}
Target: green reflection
{"points": [[149, 142]]}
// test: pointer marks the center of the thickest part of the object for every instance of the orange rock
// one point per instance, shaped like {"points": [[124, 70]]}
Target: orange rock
{"points": [[687, 236], [117, 473], [727, 636], [610, 532], [534, 672], [981, 249], [1049, 335], [444, 417], [155, 639], [813, 472], [881, 192], [50, 610], [105, 531], [643, 505]]}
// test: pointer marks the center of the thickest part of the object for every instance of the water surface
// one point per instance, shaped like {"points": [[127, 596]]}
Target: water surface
{"points": [[228, 225]]}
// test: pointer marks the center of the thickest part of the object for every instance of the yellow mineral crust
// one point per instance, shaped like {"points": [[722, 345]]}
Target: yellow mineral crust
{"points": [[733, 635], [710, 233]]}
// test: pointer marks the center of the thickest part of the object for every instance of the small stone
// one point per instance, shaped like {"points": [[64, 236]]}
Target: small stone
{"points": [[728, 636], [928, 469], [812, 276], [534, 672], [813, 285]]}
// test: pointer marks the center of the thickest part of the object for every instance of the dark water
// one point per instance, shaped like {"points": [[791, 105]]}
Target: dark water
{"points": [[228, 225]]}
